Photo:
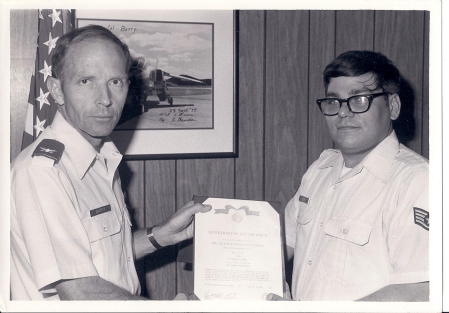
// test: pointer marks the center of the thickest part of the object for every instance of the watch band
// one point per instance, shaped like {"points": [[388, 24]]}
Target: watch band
{"points": [[153, 241]]}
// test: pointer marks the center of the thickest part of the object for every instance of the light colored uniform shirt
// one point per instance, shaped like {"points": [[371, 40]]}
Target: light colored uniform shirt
{"points": [[356, 233], [69, 219]]}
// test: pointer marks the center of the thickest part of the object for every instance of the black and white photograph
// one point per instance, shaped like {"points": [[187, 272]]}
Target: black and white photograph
{"points": [[269, 157]]}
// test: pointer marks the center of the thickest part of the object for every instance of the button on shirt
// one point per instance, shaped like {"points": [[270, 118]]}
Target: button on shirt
{"points": [[356, 233], [68, 220]]}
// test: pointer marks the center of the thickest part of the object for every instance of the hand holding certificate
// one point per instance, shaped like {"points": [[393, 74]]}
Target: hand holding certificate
{"points": [[238, 251]]}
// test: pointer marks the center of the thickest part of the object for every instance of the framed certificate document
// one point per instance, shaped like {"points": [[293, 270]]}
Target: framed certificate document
{"points": [[238, 250]]}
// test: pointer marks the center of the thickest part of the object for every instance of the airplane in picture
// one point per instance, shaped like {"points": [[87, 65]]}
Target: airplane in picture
{"points": [[158, 81], [149, 88]]}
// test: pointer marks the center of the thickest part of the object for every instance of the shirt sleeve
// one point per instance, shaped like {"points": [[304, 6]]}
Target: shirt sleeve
{"points": [[408, 236], [291, 212], [51, 239], [295, 210]]}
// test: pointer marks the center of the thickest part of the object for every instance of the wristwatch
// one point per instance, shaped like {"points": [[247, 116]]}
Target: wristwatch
{"points": [[153, 241]]}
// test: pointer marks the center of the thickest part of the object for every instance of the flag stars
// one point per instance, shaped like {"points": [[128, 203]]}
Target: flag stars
{"points": [[51, 43], [46, 70], [39, 127], [43, 98], [41, 104], [55, 17]]}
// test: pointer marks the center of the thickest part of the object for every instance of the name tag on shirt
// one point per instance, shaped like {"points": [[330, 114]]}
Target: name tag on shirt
{"points": [[304, 199], [100, 210]]}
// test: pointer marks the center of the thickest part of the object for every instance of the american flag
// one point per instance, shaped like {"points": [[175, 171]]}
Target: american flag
{"points": [[41, 106]]}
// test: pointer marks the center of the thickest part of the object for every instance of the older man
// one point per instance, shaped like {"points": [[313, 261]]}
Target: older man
{"points": [[70, 229], [358, 224]]}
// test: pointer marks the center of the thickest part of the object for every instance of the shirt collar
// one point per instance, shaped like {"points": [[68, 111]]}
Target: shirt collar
{"points": [[378, 161], [110, 152], [333, 160], [80, 151]]}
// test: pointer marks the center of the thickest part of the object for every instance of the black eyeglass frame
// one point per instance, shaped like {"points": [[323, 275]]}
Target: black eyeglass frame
{"points": [[340, 101]]}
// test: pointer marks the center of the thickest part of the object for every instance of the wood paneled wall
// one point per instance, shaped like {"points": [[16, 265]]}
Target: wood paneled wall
{"points": [[23, 40], [280, 132]]}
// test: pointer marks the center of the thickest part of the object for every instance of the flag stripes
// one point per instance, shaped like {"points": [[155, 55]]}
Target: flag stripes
{"points": [[41, 106]]}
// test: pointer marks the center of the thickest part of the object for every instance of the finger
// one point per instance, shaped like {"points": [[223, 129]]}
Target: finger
{"points": [[196, 208], [205, 208], [274, 297], [193, 297], [180, 296]]}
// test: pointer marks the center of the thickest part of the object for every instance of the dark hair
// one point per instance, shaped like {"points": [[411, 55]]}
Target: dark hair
{"points": [[78, 35], [355, 63]]}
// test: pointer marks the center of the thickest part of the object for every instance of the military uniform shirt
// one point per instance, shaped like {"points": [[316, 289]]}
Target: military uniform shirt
{"points": [[356, 233], [68, 219]]}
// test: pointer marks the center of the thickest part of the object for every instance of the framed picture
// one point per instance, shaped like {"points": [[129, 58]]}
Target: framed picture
{"points": [[182, 98]]}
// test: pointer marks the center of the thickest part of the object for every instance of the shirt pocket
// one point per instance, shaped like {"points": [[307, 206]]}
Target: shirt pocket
{"points": [[349, 230], [345, 238], [101, 226]]}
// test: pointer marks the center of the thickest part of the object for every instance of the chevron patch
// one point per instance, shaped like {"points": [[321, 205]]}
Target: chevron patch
{"points": [[421, 218]]}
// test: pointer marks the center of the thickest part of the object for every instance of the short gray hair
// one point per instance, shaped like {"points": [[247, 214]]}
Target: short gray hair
{"points": [[78, 35]]}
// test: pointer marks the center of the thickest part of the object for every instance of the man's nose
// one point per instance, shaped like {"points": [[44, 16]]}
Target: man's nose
{"points": [[104, 96], [344, 110]]}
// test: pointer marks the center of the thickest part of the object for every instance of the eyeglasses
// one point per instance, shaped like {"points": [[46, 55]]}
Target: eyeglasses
{"points": [[356, 104]]}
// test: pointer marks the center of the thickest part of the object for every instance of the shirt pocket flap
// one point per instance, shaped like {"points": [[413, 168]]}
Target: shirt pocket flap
{"points": [[101, 226], [349, 230]]}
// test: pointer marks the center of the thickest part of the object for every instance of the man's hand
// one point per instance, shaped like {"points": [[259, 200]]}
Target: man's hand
{"points": [[92, 288], [287, 295], [414, 292], [179, 226], [183, 296], [273, 297], [180, 296]]}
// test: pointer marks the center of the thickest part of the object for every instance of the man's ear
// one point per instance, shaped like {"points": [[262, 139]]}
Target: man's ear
{"points": [[54, 85], [395, 106]]}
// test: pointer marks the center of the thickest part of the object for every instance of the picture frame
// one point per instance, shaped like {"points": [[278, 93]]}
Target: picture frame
{"points": [[182, 99]]}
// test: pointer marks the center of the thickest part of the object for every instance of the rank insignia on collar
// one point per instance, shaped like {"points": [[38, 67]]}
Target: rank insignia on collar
{"points": [[421, 218], [49, 148]]}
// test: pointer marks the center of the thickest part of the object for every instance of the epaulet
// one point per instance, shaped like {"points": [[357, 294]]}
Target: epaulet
{"points": [[49, 148]]}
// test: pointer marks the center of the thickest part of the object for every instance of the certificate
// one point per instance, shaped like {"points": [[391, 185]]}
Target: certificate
{"points": [[238, 251]]}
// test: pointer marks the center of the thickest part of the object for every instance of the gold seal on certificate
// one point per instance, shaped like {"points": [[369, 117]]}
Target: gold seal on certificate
{"points": [[237, 251]]}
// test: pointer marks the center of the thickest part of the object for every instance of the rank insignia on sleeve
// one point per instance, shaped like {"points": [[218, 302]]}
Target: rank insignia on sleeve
{"points": [[421, 218], [49, 148]]}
